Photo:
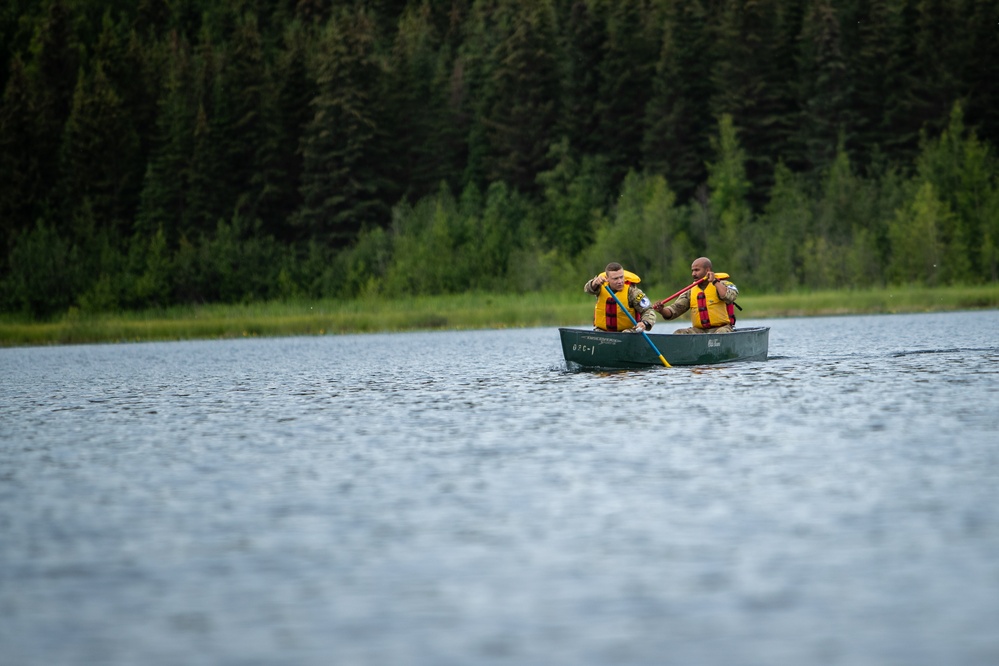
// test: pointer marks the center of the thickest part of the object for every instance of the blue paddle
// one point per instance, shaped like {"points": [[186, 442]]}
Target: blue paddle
{"points": [[635, 323]]}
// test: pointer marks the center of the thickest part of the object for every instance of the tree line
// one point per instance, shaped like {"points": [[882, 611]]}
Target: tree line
{"points": [[185, 151]]}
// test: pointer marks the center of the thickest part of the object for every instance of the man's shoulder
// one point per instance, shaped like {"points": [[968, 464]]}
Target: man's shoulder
{"points": [[638, 297], [635, 290]]}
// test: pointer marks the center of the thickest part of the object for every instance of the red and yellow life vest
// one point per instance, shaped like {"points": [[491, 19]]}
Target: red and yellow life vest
{"points": [[607, 316], [707, 309]]}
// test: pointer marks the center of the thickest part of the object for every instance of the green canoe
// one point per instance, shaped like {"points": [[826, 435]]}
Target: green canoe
{"points": [[600, 349]]}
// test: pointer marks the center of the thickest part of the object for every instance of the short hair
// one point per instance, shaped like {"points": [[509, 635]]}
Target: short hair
{"points": [[613, 266]]}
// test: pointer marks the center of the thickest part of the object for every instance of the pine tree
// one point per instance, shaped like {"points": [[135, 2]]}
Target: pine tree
{"points": [[239, 124], [53, 72], [941, 59], [786, 82], [825, 89], [163, 200], [21, 184], [678, 127], [962, 171], [417, 86], [151, 18], [627, 69], [211, 190], [286, 112], [343, 184], [916, 247], [133, 70], [205, 193], [519, 111], [584, 35], [17, 21], [784, 230], [99, 151], [728, 204], [748, 86], [905, 109], [982, 69], [847, 205], [877, 21], [471, 80], [576, 193]]}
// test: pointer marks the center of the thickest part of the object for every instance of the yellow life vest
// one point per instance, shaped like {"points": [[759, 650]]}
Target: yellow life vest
{"points": [[707, 309], [607, 316]]}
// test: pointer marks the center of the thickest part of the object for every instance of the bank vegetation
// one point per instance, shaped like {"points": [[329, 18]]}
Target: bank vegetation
{"points": [[164, 156], [448, 312]]}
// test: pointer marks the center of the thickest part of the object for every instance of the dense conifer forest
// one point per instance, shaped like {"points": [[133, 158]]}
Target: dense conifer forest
{"points": [[165, 152]]}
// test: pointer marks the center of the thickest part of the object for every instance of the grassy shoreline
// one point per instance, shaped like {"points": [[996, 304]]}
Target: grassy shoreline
{"points": [[454, 312]]}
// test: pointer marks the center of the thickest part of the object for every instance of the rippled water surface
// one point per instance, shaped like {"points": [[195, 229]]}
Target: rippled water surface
{"points": [[458, 498]]}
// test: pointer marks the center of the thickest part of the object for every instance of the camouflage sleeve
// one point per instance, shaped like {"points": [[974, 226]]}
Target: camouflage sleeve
{"points": [[678, 307], [643, 306], [731, 293]]}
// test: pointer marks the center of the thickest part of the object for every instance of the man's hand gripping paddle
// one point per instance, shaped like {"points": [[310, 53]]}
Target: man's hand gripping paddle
{"points": [[658, 307], [635, 323]]}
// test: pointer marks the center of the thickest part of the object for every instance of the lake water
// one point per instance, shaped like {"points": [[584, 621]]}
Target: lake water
{"points": [[456, 498]]}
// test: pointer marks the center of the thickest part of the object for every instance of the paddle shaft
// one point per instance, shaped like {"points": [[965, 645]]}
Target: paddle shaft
{"points": [[687, 288], [644, 334]]}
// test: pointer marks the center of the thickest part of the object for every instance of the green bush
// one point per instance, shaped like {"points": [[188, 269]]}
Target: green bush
{"points": [[44, 269]]}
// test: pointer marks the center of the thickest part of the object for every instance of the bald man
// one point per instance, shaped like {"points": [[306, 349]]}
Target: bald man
{"points": [[711, 302]]}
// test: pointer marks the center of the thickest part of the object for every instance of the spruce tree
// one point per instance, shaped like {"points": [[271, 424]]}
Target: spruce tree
{"points": [[99, 151], [825, 87], [626, 72], [520, 94], [583, 34], [21, 184], [678, 125], [962, 172], [210, 194], [163, 199], [917, 250], [941, 58], [240, 128], [905, 111], [877, 23], [982, 69], [286, 112], [53, 72], [343, 185], [417, 89], [132, 68], [728, 204], [748, 86]]}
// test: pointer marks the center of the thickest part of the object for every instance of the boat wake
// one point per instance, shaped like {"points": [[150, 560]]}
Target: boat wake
{"points": [[955, 350]]}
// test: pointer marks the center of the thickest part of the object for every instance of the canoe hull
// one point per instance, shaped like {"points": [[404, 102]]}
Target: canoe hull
{"points": [[600, 349]]}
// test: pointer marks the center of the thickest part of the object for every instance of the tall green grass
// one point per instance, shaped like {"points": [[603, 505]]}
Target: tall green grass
{"points": [[883, 300], [461, 311]]}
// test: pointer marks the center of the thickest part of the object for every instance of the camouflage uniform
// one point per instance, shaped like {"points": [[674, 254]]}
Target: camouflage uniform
{"points": [[682, 304], [637, 301]]}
